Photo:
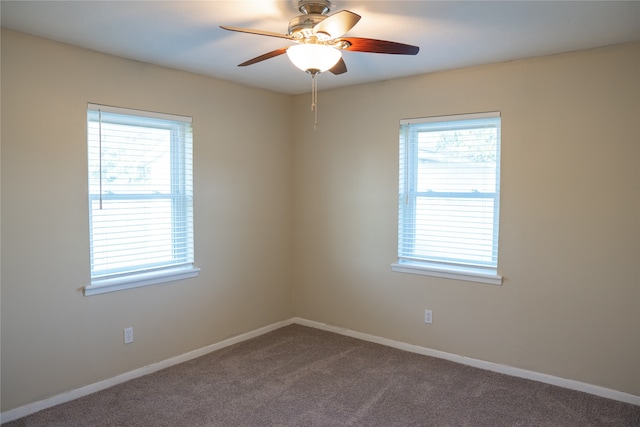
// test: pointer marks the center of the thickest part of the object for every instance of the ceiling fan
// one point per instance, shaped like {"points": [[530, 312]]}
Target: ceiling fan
{"points": [[319, 40], [315, 28]]}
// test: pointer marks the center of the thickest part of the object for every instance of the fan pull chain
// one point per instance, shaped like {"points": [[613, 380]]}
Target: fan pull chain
{"points": [[314, 100]]}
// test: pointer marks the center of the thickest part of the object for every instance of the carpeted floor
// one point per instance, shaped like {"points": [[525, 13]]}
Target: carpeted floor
{"points": [[300, 376]]}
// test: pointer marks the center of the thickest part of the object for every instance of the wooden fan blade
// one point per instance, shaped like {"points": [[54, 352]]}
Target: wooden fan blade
{"points": [[378, 46], [267, 55], [258, 32], [339, 68], [337, 24]]}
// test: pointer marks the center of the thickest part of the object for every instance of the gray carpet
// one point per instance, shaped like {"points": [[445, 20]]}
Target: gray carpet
{"points": [[300, 376]]}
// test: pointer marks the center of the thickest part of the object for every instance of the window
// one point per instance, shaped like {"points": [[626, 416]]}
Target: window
{"points": [[140, 198], [450, 197]]}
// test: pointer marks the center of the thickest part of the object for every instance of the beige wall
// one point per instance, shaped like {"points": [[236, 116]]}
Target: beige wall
{"points": [[569, 236], [53, 338], [570, 218]]}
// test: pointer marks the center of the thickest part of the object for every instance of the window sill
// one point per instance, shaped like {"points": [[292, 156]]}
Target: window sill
{"points": [[98, 287], [460, 273]]}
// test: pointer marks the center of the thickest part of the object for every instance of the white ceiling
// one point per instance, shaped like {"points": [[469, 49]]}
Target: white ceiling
{"points": [[451, 34]]}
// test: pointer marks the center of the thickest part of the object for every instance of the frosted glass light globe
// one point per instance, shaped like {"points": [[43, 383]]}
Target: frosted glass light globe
{"points": [[313, 58]]}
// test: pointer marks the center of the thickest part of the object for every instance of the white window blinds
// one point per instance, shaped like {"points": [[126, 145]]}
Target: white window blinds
{"points": [[450, 191], [140, 191]]}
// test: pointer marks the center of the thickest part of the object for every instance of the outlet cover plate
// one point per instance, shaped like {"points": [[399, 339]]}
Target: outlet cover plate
{"points": [[128, 335], [428, 316]]}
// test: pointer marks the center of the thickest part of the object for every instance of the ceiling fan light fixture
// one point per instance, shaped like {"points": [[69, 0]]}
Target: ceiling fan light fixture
{"points": [[313, 58], [320, 42]]}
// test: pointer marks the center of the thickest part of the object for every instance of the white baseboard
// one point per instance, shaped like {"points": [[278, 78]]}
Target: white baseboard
{"points": [[489, 366], [68, 396]]}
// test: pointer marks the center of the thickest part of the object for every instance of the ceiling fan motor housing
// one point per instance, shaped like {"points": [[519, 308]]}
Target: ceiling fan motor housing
{"points": [[321, 7], [313, 12], [302, 26]]}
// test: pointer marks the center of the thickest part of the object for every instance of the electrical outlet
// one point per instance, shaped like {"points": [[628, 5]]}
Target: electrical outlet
{"points": [[128, 335], [428, 316]]}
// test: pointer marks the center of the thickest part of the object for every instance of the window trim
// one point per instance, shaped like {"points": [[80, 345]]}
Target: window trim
{"points": [[469, 274], [474, 273], [131, 279], [138, 280]]}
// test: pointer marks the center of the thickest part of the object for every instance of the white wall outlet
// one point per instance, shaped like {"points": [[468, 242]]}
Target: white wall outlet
{"points": [[428, 316], [128, 335]]}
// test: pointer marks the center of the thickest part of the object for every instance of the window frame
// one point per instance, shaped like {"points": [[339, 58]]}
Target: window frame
{"points": [[484, 272], [180, 159]]}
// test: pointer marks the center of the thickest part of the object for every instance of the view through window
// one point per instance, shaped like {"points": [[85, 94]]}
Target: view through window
{"points": [[140, 192], [450, 191]]}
